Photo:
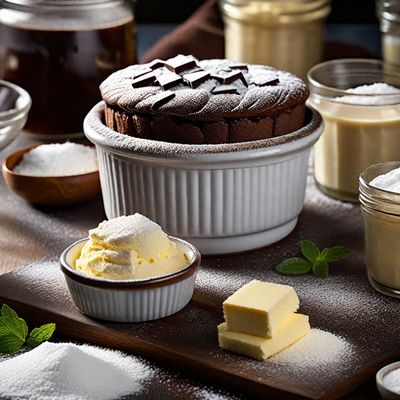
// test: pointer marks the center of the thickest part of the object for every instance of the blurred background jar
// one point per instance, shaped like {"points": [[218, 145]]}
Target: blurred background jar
{"points": [[361, 128], [60, 51], [388, 12], [286, 34]]}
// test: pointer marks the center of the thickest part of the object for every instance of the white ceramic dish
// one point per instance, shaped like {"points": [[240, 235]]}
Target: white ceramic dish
{"points": [[385, 392], [13, 120], [130, 300], [222, 198]]}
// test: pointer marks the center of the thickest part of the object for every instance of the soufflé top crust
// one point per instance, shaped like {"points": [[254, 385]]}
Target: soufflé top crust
{"points": [[184, 100]]}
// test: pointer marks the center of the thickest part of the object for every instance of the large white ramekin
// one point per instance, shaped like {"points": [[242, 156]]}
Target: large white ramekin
{"points": [[222, 198], [130, 300]]}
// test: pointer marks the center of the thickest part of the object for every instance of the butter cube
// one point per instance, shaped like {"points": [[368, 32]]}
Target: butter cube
{"points": [[258, 308], [294, 328]]}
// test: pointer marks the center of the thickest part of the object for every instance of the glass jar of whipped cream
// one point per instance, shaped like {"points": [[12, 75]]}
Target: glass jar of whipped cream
{"points": [[60, 51], [286, 34], [380, 205], [360, 103], [388, 12]]}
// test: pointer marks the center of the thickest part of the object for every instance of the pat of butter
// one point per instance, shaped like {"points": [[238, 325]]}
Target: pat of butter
{"points": [[258, 308], [294, 328]]}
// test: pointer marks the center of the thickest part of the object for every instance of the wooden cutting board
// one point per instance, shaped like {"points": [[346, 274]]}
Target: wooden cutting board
{"points": [[343, 304]]}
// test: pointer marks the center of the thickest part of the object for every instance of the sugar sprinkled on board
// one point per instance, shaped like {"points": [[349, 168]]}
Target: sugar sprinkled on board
{"points": [[392, 380], [67, 371], [314, 350], [58, 159]]}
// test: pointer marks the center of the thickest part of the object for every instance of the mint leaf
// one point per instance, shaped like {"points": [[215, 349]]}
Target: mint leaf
{"points": [[9, 343], [334, 253], [310, 250], [294, 266], [320, 269], [41, 334], [15, 325]]}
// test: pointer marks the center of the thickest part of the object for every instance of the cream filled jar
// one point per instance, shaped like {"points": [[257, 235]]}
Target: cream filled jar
{"points": [[381, 212], [388, 13], [360, 103], [286, 34]]}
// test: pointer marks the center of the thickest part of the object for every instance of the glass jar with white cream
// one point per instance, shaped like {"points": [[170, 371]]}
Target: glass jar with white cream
{"points": [[380, 204], [286, 34], [360, 103], [388, 12]]}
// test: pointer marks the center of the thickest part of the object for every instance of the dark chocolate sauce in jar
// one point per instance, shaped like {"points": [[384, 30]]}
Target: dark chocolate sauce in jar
{"points": [[61, 53]]}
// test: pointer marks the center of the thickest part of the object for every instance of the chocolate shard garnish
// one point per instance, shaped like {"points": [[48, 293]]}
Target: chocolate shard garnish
{"points": [[234, 76], [169, 80], [194, 79], [157, 63], [225, 89], [142, 72], [180, 63], [265, 81], [219, 78], [243, 67], [162, 98], [144, 80]]}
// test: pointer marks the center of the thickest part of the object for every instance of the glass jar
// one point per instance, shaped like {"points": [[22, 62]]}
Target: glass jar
{"points": [[60, 51], [360, 129], [381, 212], [286, 34], [388, 12]]}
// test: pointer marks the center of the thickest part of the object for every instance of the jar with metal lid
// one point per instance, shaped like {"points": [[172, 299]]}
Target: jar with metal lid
{"points": [[388, 12], [60, 51], [381, 212], [286, 34]]}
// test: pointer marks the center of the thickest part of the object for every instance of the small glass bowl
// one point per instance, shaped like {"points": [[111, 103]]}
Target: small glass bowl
{"points": [[15, 104]]}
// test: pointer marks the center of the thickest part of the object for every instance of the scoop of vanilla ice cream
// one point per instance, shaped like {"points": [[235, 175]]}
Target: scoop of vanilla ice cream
{"points": [[129, 247]]}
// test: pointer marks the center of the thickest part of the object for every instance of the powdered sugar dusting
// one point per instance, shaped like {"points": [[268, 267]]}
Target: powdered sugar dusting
{"points": [[317, 349]]}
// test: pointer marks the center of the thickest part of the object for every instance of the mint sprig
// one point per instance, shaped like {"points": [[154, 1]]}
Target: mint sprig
{"points": [[314, 260], [14, 331]]}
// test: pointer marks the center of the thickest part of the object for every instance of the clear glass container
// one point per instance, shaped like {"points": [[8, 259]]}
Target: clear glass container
{"points": [[360, 129], [286, 34], [60, 51], [381, 212], [388, 12]]}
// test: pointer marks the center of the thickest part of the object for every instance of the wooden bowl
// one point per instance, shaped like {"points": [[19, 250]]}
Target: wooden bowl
{"points": [[49, 190]]}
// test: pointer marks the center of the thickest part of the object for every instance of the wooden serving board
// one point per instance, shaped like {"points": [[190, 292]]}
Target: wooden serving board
{"points": [[344, 304]]}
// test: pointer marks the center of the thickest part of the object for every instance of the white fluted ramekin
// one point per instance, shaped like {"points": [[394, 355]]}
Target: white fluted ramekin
{"points": [[223, 198], [130, 300]]}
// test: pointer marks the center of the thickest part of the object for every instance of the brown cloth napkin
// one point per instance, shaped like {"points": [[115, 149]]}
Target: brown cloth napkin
{"points": [[203, 36]]}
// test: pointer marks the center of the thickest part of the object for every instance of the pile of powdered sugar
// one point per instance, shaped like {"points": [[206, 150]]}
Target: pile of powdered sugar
{"points": [[316, 349], [58, 159], [66, 371], [374, 94]]}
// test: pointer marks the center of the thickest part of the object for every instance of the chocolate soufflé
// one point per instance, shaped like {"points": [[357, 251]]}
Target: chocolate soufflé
{"points": [[184, 100]]}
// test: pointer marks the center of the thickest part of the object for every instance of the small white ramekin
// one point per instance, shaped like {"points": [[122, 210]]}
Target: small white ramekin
{"points": [[385, 392], [223, 198], [130, 300]]}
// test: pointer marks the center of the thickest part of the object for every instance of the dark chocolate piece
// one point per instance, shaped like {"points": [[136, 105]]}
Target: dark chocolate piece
{"points": [[180, 63], [239, 66], [157, 63], [266, 82], [162, 99], [144, 80], [143, 72], [228, 77], [225, 89], [219, 78], [169, 80], [194, 79]]}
